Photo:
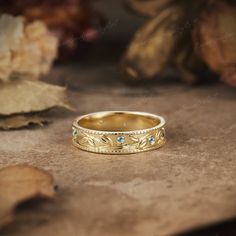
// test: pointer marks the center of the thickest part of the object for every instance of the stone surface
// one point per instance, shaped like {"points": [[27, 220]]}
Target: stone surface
{"points": [[188, 183]]}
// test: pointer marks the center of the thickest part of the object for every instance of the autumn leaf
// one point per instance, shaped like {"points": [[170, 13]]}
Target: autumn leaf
{"points": [[215, 39], [24, 96], [149, 7], [19, 184], [20, 121]]}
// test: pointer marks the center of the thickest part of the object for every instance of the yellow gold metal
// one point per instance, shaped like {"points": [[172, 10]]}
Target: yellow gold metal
{"points": [[119, 132]]}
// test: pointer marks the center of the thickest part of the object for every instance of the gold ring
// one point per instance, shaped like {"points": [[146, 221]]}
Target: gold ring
{"points": [[119, 132]]}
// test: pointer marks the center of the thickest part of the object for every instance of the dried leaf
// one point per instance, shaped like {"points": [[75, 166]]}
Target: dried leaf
{"points": [[214, 37], [27, 49], [19, 121], [165, 40], [23, 96], [21, 183], [153, 46], [148, 7]]}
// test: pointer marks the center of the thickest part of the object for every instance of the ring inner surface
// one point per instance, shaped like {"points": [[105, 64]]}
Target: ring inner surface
{"points": [[118, 122]]}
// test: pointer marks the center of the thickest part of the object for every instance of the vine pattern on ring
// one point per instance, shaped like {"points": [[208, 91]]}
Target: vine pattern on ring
{"points": [[140, 143]]}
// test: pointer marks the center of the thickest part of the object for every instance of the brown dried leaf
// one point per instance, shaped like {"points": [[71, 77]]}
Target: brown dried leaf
{"points": [[214, 37], [19, 121], [24, 96], [21, 183], [148, 7], [153, 46]]}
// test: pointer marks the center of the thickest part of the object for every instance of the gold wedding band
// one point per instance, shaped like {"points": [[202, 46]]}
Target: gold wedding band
{"points": [[119, 132]]}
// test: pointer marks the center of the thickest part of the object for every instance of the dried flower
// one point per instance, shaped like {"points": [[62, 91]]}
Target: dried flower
{"points": [[26, 49], [198, 43], [69, 20], [215, 39]]}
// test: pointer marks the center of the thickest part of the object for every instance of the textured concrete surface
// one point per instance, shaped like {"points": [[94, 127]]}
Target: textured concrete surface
{"points": [[188, 183]]}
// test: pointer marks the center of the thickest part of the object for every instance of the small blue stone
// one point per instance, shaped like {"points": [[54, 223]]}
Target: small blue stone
{"points": [[121, 139], [152, 140]]}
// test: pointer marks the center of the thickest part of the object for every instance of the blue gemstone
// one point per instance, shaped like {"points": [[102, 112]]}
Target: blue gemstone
{"points": [[151, 140], [121, 139]]}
